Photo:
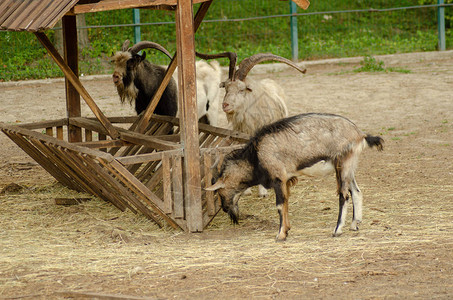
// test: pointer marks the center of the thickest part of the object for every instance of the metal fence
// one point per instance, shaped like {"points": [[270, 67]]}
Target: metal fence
{"points": [[264, 26]]}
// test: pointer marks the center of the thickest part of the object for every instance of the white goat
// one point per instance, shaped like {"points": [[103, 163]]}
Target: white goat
{"points": [[306, 144], [208, 76], [250, 104]]}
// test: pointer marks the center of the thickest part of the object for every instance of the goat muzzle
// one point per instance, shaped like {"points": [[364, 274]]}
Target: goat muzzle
{"points": [[116, 78]]}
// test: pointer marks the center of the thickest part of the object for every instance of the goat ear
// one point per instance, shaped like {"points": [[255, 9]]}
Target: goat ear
{"points": [[218, 185], [143, 56]]}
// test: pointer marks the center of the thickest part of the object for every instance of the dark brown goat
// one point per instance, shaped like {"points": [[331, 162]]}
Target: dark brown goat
{"points": [[136, 79]]}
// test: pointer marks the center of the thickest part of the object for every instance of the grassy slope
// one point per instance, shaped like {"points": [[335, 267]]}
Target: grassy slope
{"points": [[320, 36]]}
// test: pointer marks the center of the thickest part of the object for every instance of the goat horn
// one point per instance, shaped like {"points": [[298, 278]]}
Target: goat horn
{"points": [[248, 63], [232, 56], [125, 45], [146, 44]]}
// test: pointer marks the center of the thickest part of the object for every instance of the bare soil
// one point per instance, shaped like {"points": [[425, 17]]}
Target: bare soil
{"points": [[403, 250]]}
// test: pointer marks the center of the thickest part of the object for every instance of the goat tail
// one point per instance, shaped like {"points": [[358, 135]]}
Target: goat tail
{"points": [[375, 141]]}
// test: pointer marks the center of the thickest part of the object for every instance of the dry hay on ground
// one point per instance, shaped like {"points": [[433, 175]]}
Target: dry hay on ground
{"points": [[403, 249]]}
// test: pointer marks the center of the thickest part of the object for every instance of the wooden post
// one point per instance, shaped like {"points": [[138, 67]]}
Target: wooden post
{"points": [[71, 56], [188, 114]]}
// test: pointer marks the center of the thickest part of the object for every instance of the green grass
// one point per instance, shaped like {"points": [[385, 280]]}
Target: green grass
{"points": [[371, 64], [320, 36]]}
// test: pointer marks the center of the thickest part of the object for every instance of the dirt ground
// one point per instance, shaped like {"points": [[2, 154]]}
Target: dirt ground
{"points": [[403, 250]]}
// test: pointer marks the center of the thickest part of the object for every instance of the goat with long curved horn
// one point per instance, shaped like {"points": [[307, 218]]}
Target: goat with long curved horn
{"points": [[147, 44], [232, 56], [248, 63], [250, 104]]}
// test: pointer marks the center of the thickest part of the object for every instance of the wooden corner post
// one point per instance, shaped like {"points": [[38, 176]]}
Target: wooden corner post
{"points": [[188, 114], [71, 56]]}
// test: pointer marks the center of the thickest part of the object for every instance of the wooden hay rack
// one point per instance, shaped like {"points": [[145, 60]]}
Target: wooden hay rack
{"points": [[140, 172]]}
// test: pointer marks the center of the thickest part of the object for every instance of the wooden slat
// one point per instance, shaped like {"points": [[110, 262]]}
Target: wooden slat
{"points": [[104, 5], [177, 183], [88, 135], [103, 144], [60, 132], [166, 183], [77, 84], [209, 195], [45, 124], [142, 158], [49, 131]]}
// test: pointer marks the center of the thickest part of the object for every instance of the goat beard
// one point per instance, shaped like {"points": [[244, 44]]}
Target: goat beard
{"points": [[128, 93]]}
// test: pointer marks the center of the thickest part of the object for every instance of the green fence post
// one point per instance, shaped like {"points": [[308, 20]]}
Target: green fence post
{"points": [[136, 20], [293, 24], [441, 24]]}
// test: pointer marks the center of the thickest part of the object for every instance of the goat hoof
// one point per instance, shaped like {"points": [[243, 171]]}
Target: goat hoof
{"points": [[280, 237], [355, 225], [336, 234]]}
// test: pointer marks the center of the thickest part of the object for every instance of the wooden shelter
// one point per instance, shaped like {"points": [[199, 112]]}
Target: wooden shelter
{"points": [[143, 168]]}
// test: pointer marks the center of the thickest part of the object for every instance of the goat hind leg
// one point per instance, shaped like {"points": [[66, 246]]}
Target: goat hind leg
{"points": [[281, 195], [357, 200]]}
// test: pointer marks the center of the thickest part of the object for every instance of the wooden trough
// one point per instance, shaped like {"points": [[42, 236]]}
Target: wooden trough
{"points": [[150, 164]]}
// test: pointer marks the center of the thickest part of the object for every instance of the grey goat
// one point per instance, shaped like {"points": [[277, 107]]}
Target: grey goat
{"points": [[307, 144]]}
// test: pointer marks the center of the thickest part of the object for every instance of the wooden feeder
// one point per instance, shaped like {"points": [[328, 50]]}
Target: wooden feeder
{"points": [[159, 165]]}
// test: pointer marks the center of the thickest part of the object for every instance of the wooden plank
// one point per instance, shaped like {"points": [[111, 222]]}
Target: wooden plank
{"points": [[177, 183], [188, 113], [104, 5], [103, 144], [71, 55], [143, 158], [77, 84], [60, 132], [49, 131], [70, 201], [100, 296], [209, 195], [88, 135], [45, 124], [148, 141], [166, 183]]}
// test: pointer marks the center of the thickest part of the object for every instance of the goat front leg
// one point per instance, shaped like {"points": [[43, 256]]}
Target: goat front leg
{"points": [[281, 195], [357, 200]]}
